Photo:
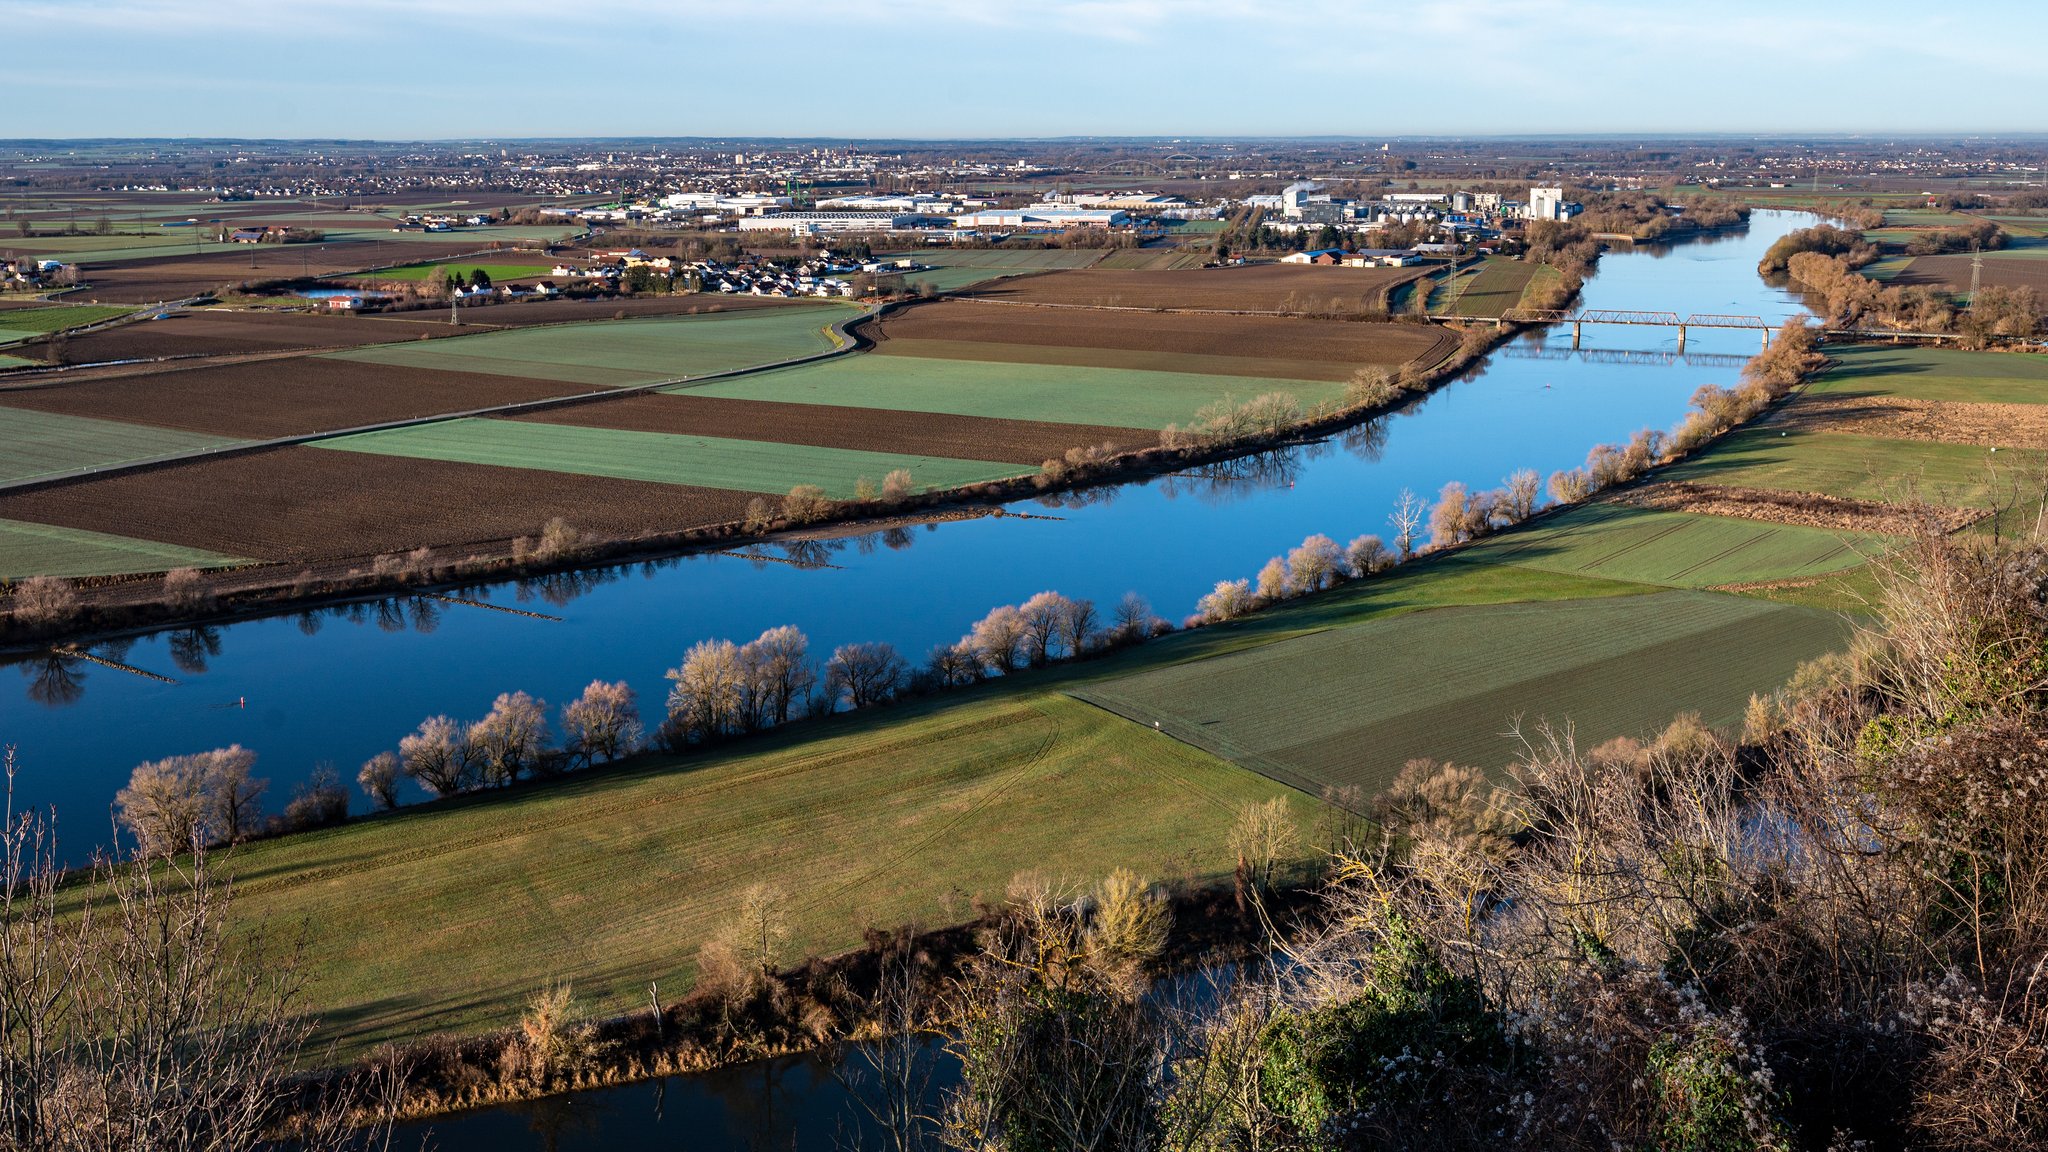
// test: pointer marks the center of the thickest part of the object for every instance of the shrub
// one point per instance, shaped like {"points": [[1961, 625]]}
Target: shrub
{"points": [[44, 602], [806, 504]]}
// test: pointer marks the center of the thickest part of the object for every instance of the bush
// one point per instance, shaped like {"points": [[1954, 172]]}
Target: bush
{"points": [[43, 602], [806, 504]]}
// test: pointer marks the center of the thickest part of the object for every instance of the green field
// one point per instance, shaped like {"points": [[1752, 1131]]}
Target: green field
{"points": [[956, 268], [1936, 374], [1887, 269], [23, 323], [621, 352], [1674, 549], [1351, 705], [413, 272], [40, 443], [115, 249], [451, 916], [1865, 467], [1126, 398], [663, 458], [46, 550], [1497, 288]]}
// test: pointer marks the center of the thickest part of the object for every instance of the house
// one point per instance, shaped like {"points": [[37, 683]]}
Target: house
{"points": [[1314, 256], [344, 303], [1381, 258], [248, 235], [545, 288]]}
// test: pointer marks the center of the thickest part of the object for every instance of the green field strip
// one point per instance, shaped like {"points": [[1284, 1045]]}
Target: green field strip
{"points": [[28, 549], [1864, 467], [22, 323], [44, 443], [1071, 394], [1935, 374], [1350, 705], [1888, 268], [616, 353], [1497, 288], [663, 457], [1675, 549]]}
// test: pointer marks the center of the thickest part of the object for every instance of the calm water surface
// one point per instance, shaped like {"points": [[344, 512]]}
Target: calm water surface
{"points": [[337, 686]]}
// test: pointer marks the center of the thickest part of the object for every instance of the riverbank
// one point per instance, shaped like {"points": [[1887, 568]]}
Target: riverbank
{"points": [[109, 607]]}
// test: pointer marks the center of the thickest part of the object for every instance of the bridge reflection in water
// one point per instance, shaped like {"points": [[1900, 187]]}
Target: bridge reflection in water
{"points": [[1640, 358]]}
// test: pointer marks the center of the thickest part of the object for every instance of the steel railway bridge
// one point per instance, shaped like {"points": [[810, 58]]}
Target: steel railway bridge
{"points": [[1579, 320]]}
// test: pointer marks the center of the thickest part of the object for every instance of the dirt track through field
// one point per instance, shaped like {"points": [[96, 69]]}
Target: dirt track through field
{"points": [[833, 426], [1805, 509], [302, 505], [280, 397], [1903, 418]]}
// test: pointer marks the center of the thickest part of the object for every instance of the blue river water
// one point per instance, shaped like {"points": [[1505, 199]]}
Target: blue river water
{"points": [[331, 688]]}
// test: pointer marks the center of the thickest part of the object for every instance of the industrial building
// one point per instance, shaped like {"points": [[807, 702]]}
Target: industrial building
{"points": [[1037, 217], [810, 223]]}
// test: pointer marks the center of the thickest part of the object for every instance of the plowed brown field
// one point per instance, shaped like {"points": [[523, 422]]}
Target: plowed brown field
{"points": [[1307, 289], [1952, 273], [279, 397], [178, 277], [1279, 347], [831, 426], [206, 333], [301, 505]]}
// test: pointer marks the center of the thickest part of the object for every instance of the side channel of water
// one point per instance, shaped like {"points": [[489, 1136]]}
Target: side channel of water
{"points": [[334, 687]]}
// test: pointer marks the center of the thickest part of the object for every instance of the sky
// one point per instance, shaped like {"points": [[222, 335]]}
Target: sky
{"points": [[933, 69]]}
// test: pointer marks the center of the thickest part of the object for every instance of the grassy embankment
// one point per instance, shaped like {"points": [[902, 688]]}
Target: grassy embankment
{"points": [[448, 916]]}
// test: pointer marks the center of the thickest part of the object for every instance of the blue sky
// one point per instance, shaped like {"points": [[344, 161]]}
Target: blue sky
{"points": [[430, 69]]}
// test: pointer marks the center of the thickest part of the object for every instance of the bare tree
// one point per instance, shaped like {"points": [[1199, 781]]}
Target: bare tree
{"points": [[864, 674], [165, 805], [510, 739], [1317, 563], [44, 601], [1523, 488], [1133, 617], [998, 637], [1041, 616], [434, 756], [1227, 601], [782, 658], [1406, 521], [896, 485], [1262, 837], [233, 797], [1077, 626], [705, 702], [604, 722], [1366, 555], [378, 778]]}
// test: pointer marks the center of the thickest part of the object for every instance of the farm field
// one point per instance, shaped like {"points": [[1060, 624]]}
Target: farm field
{"points": [[413, 273], [303, 505], [954, 269], [1281, 347], [217, 332], [47, 550], [177, 274], [25, 323], [2003, 269], [637, 351], [663, 458], [828, 426], [432, 919], [1008, 391], [267, 398], [1252, 287], [1498, 287], [41, 443], [1351, 705], [1935, 374], [1863, 467], [1674, 549]]}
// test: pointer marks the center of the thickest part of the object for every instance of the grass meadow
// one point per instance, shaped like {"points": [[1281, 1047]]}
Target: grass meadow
{"points": [[40, 443], [47, 550], [662, 457]]}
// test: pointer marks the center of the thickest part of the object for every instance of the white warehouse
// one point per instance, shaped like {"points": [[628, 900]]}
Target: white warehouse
{"points": [[807, 223]]}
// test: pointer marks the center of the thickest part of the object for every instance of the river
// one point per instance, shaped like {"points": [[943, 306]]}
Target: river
{"points": [[333, 687]]}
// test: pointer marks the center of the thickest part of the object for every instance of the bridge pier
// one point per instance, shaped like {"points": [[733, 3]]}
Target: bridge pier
{"points": [[1681, 339], [1767, 339], [1577, 328]]}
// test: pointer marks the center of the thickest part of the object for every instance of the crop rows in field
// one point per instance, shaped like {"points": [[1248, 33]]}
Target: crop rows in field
{"points": [[1675, 549], [1288, 348], [664, 458], [23, 323], [47, 550], [1301, 289], [1498, 287], [1009, 391], [1863, 467], [629, 352], [1350, 705], [41, 443]]}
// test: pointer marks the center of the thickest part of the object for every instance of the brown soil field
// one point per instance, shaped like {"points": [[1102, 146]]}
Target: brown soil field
{"points": [[1305, 289], [211, 333], [827, 426], [1952, 273], [1941, 421], [1282, 347], [177, 277], [278, 397], [300, 505], [527, 313], [1804, 509]]}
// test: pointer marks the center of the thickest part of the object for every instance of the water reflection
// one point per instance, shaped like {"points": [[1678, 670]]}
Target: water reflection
{"points": [[191, 648], [55, 679]]}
